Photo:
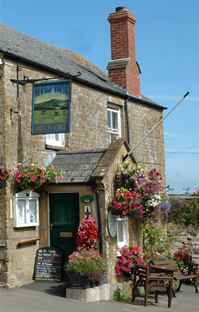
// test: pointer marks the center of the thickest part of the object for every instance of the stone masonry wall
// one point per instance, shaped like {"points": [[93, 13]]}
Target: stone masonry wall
{"points": [[151, 151], [184, 236]]}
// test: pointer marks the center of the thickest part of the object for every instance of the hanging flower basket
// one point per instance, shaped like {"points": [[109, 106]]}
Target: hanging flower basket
{"points": [[126, 202], [140, 194], [2, 183], [4, 176], [35, 178]]}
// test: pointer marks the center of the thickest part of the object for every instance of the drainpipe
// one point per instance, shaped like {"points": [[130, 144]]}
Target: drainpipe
{"points": [[99, 221], [127, 121]]}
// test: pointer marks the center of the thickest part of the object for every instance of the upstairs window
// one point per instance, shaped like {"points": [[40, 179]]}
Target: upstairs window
{"points": [[55, 139], [114, 126]]}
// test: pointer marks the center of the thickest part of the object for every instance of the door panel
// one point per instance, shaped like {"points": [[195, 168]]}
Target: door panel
{"points": [[64, 222]]}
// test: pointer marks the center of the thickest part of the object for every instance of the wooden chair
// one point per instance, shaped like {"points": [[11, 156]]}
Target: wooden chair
{"points": [[182, 274], [151, 281]]}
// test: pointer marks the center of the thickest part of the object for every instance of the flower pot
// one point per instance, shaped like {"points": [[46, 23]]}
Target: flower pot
{"points": [[79, 281], [2, 183], [185, 261]]}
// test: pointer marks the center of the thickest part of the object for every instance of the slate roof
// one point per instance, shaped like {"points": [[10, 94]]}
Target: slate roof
{"points": [[60, 61], [83, 166], [78, 165]]}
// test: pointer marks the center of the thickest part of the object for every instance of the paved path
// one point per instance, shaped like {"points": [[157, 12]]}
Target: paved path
{"points": [[49, 297]]}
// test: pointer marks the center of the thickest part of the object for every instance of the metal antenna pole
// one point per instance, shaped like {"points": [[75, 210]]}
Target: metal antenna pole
{"points": [[161, 120]]}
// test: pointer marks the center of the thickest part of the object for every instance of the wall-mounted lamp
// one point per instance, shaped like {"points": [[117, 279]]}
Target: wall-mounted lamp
{"points": [[13, 112]]}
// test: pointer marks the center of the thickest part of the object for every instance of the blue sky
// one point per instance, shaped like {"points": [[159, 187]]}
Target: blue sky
{"points": [[167, 50]]}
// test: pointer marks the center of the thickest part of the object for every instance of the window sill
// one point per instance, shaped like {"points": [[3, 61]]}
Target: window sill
{"points": [[57, 148]]}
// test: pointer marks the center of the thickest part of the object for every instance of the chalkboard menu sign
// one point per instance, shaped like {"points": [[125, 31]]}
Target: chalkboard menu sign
{"points": [[48, 264]]}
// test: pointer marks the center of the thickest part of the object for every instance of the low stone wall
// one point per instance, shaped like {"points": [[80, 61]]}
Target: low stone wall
{"points": [[184, 235], [100, 293]]}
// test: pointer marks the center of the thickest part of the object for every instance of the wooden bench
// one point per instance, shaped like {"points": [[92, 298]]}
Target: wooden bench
{"points": [[151, 281], [193, 262], [181, 274]]}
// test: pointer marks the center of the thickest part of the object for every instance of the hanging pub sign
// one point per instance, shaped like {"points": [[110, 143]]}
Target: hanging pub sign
{"points": [[51, 107]]}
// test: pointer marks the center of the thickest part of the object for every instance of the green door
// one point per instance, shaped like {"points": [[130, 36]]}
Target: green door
{"points": [[64, 221]]}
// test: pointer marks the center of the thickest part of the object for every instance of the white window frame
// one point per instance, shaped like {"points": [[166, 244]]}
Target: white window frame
{"points": [[114, 132], [22, 209], [55, 139], [123, 225]]}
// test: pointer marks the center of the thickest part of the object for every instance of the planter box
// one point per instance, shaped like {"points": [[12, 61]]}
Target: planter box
{"points": [[99, 293]]}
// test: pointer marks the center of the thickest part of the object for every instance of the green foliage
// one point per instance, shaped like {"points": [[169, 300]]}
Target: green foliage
{"points": [[117, 296], [184, 212], [155, 240]]}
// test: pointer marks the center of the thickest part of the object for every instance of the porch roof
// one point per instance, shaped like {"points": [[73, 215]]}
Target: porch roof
{"points": [[83, 166], [78, 165]]}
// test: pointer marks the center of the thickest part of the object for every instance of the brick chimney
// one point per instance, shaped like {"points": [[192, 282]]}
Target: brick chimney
{"points": [[123, 69]]}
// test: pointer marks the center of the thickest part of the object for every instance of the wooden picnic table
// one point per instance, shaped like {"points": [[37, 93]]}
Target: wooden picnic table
{"points": [[172, 268], [161, 268]]}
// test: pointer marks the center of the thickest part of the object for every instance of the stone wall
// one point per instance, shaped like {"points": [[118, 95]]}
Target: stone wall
{"points": [[151, 151], [184, 236]]}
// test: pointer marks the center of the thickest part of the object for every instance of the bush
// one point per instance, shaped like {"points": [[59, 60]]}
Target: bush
{"points": [[156, 241], [184, 212]]}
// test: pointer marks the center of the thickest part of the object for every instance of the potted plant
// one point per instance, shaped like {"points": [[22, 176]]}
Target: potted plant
{"points": [[4, 176], [85, 268], [34, 178]]}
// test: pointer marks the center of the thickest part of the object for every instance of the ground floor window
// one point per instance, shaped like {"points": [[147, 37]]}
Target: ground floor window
{"points": [[122, 231], [26, 209]]}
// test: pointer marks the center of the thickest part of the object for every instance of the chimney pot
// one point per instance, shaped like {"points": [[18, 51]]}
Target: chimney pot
{"points": [[119, 9]]}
